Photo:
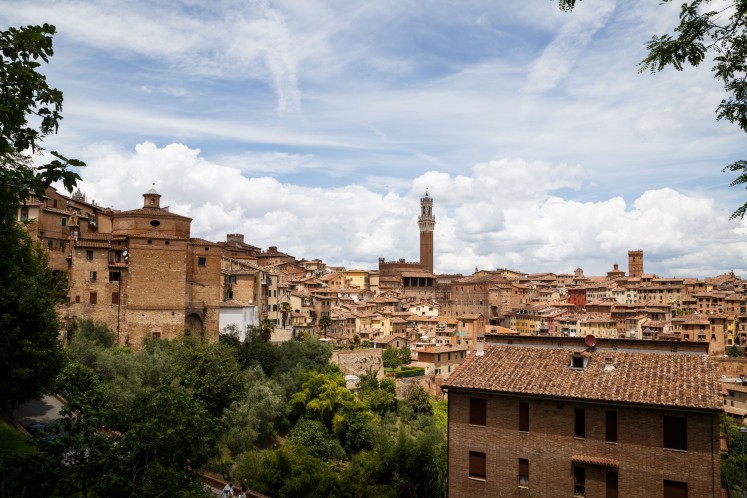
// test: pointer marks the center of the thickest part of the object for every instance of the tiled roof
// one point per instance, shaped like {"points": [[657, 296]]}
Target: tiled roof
{"points": [[665, 379]]}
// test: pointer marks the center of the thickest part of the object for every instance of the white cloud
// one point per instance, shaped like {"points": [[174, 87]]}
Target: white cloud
{"points": [[506, 213]]}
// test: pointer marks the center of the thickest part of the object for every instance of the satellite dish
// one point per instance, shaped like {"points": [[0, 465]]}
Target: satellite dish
{"points": [[590, 341]]}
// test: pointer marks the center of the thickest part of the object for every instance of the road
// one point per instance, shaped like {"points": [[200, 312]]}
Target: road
{"points": [[41, 411]]}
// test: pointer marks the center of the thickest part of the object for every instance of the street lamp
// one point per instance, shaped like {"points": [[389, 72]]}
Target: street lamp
{"points": [[743, 431]]}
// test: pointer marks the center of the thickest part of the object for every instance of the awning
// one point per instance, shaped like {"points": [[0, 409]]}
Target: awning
{"points": [[590, 460]]}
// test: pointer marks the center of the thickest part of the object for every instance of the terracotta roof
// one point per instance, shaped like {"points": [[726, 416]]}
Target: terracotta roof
{"points": [[149, 211], [663, 379]]}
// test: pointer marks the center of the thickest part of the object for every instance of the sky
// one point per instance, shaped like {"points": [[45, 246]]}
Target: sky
{"points": [[316, 126]]}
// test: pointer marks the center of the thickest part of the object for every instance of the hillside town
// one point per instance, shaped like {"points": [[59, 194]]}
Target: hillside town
{"points": [[143, 274], [582, 347]]}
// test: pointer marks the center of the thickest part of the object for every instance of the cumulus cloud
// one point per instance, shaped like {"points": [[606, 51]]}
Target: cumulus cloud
{"points": [[504, 214]]}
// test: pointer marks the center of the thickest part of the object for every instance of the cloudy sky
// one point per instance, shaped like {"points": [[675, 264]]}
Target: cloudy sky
{"points": [[317, 125]]}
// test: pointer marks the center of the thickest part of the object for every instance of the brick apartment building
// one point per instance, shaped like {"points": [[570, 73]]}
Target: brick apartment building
{"points": [[563, 419]]}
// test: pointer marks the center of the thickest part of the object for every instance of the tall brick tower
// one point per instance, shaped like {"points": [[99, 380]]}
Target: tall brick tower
{"points": [[635, 264], [426, 222]]}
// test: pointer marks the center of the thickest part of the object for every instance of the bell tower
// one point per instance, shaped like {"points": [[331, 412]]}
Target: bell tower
{"points": [[426, 222]]}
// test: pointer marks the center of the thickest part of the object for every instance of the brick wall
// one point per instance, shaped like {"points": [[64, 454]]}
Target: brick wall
{"points": [[549, 446]]}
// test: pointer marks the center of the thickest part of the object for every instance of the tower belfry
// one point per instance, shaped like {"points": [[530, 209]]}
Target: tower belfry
{"points": [[426, 222]]}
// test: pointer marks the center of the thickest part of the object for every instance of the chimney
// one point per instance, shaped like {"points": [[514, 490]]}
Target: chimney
{"points": [[480, 345]]}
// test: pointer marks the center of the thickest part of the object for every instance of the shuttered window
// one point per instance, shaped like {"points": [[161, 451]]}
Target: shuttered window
{"points": [[477, 411], [477, 464]]}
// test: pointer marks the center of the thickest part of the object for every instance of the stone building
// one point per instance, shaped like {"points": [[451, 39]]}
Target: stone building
{"points": [[147, 277], [391, 272], [569, 418]]}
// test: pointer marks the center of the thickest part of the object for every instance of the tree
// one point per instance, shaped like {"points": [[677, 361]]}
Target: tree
{"points": [[391, 357], [27, 96], [324, 322], [420, 401], [700, 32], [285, 310], [30, 351], [266, 328], [211, 371]]}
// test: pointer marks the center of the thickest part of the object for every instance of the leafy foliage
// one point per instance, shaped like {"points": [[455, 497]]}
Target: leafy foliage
{"points": [[210, 371], [396, 357], [27, 96], [325, 322], [30, 353]]}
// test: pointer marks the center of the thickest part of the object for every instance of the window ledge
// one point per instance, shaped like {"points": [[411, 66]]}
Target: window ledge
{"points": [[477, 425], [523, 486], [473, 478], [579, 438], [613, 443], [675, 450], [523, 432]]}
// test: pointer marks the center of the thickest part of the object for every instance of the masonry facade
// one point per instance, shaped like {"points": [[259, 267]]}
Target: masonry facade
{"points": [[584, 422]]}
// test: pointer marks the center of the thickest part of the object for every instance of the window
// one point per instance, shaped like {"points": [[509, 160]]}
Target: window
{"points": [[24, 214], [50, 243], [113, 276], [523, 472], [63, 221], [579, 481], [577, 361], [610, 426], [156, 335], [94, 298], [477, 411], [580, 423], [477, 465], [150, 242], [77, 299], [675, 489], [115, 297], [675, 433], [201, 260], [92, 276], [611, 484], [62, 245], [89, 255], [524, 417]]}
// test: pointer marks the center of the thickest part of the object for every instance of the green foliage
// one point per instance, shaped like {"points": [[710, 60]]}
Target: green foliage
{"points": [[420, 402], [325, 322], [27, 96], [395, 357], [285, 309], [409, 372], [355, 428], [266, 328], [321, 397], [314, 438], [390, 357], [210, 371], [733, 352], [81, 387], [30, 353], [97, 333], [731, 463], [168, 435], [289, 472], [251, 420]]}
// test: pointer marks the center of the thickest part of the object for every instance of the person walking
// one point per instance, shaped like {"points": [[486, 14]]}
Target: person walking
{"points": [[227, 491], [244, 488]]}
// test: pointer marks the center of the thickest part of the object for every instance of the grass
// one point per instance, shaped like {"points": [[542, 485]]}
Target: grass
{"points": [[12, 441]]}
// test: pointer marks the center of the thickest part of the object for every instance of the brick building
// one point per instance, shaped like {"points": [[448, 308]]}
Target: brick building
{"points": [[564, 419], [147, 277]]}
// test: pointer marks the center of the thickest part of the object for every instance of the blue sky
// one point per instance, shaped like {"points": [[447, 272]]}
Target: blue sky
{"points": [[316, 125]]}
